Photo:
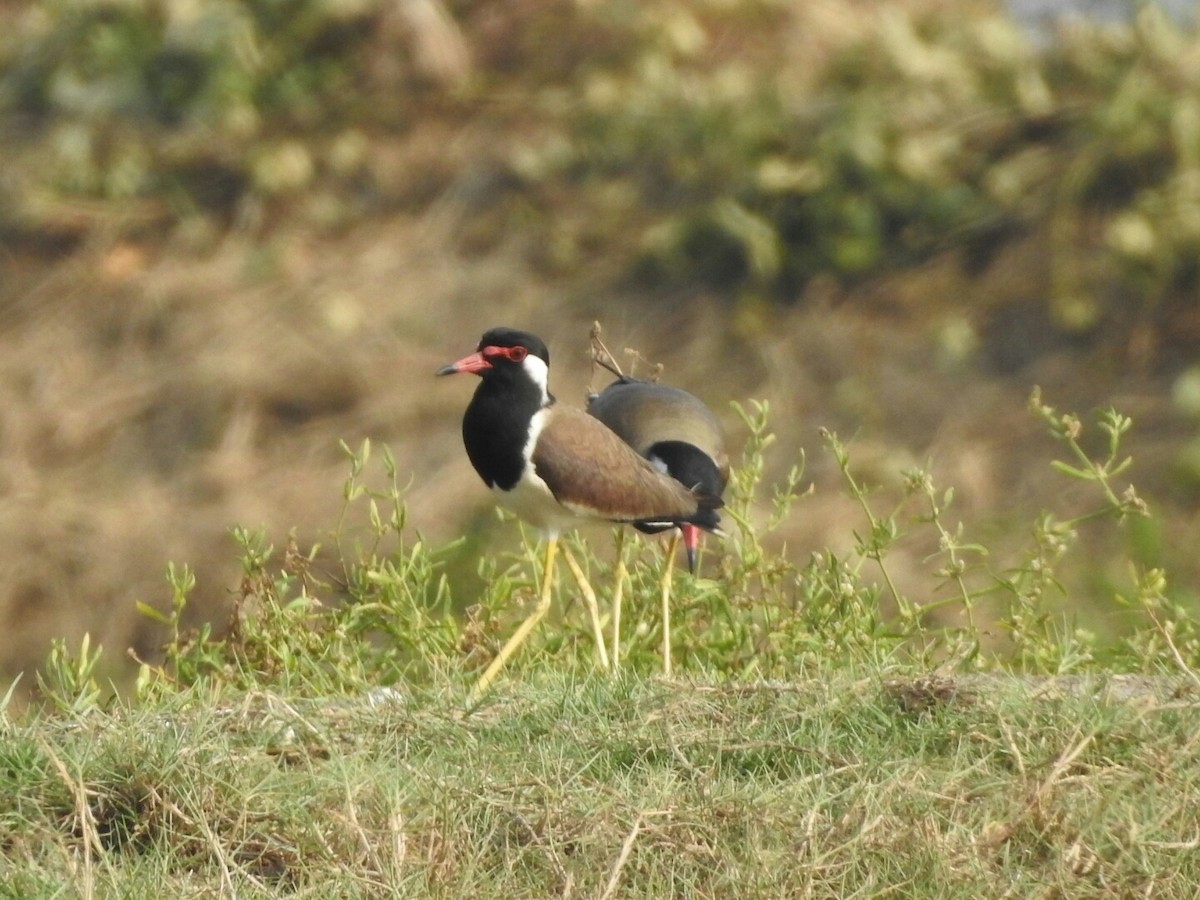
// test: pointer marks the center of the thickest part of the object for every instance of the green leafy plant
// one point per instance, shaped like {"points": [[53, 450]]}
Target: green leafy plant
{"points": [[387, 616], [67, 681]]}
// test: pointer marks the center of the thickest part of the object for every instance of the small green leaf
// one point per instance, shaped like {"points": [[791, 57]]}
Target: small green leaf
{"points": [[151, 613], [1121, 466], [1059, 466]]}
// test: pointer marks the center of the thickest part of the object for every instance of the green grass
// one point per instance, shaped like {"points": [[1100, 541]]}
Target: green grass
{"points": [[628, 787], [828, 735]]}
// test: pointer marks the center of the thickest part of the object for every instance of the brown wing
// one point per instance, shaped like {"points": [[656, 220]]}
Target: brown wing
{"points": [[588, 468]]}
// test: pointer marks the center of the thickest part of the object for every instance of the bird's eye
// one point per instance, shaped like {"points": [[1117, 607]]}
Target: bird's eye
{"points": [[513, 354]]}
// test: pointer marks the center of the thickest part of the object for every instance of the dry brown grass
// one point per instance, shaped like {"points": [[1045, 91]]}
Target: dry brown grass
{"points": [[613, 788]]}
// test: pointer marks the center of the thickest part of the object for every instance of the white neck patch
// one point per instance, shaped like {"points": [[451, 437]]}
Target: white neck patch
{"points": [[537, 370]]}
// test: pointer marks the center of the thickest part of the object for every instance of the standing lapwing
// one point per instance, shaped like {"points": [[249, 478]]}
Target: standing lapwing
{"points": [[680, 436], [557, 467]]}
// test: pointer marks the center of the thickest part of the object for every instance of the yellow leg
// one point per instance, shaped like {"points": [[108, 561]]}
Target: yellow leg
{"points": [[489, 675], [668, 570], [589, 597], [618, 595]]}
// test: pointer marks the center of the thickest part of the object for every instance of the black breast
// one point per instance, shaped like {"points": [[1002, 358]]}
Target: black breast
{"points": [[496, 427]]}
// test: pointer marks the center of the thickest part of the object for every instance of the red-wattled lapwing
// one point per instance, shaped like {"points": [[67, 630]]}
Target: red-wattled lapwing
{"points": [[680, 436], [557, 467]]}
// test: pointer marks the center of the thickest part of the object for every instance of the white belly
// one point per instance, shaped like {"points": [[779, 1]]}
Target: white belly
{"points": [[532, 501]]}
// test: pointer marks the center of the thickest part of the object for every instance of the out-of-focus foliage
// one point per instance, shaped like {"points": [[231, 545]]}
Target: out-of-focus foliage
{"points": [[743, 145], [198, 103], [857, 140]]}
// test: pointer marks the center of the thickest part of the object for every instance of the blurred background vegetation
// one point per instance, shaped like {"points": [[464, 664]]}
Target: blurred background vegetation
{"points": [[235, 232]]}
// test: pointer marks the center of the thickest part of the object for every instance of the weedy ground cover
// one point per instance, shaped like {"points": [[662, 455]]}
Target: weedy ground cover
{"points": [[827, 735], [852, 785]]}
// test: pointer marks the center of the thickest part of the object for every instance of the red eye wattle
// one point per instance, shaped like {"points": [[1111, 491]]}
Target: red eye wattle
{"points": [[512, 354]]}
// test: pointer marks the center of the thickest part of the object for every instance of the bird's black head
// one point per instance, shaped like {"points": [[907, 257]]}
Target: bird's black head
{"points": [[513, 338], [500, 350]]}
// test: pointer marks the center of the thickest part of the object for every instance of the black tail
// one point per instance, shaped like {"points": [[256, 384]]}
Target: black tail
{"points": [[705, 518]]}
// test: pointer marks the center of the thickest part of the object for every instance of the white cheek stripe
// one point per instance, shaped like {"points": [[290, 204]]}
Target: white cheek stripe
{"points": [[539, 373]]}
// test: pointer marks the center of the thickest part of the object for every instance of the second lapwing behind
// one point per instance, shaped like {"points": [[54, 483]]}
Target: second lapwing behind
{"points": [[557, 467], [680, 436]]}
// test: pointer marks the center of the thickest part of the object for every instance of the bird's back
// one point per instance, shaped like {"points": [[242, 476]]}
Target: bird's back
{"points": [[645, 415]]}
